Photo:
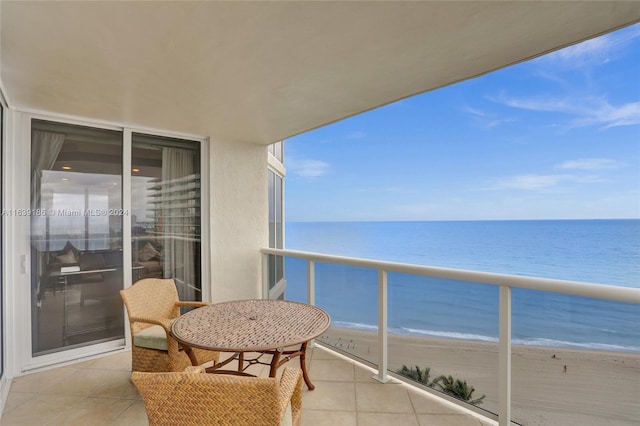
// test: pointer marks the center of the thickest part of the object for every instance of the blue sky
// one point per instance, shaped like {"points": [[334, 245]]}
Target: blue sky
{"points": [[557, 137]]}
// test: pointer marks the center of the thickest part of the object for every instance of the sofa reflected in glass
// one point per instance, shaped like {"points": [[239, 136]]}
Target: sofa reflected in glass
{"points": [[76, 297], [148, 259]]}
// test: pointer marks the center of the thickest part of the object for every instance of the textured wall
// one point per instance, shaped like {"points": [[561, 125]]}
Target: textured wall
{"points": [[239, 221]]}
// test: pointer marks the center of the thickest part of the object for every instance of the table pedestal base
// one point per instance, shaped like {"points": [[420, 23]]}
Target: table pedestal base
{"points": [[278, 358]]}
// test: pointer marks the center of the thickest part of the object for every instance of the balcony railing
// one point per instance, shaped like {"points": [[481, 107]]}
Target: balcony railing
{"points": [[460, 282]]}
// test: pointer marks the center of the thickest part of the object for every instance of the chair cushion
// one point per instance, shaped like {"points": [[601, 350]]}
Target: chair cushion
{"points": [[153, 337]]}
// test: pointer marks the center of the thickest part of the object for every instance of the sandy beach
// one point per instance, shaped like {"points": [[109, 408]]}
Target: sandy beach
{"points": [[550, 386]]}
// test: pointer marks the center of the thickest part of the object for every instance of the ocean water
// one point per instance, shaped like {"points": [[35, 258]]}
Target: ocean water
{"points": [[592, 251]]}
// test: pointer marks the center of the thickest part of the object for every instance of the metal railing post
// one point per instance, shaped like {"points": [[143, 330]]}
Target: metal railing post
{"points": [[504, 369], [265, 275], [382, 327], [311, 282], [311, 290]]}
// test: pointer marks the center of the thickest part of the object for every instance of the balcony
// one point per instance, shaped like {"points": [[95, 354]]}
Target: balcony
{"points": [[99, 392], [355, 370]]}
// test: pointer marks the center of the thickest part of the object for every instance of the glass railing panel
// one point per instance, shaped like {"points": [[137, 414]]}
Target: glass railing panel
{"points": [[575, 360], [350, 295], [444, 334], [296, 276]]}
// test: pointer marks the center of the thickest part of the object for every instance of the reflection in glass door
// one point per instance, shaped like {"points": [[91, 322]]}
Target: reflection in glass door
{"points": [[276, 282], [76, 236], [165, 204]]}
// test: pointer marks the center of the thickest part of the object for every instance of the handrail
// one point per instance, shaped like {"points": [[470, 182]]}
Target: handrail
{"points": [[575, 288], [505, 282]]}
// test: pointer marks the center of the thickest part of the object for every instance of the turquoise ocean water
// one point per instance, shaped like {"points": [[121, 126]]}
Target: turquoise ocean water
{"points": [[592, 251]]}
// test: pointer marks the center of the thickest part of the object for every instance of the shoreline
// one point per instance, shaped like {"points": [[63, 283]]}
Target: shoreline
{"points": [[550, 385], [611, 348]]}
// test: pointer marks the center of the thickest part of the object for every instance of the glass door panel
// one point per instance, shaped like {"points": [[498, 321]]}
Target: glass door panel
{"points": [[76, 236], [165, 203]]}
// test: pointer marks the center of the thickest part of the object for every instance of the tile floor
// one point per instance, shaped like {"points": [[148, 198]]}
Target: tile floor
{"points": [[99, 392]]}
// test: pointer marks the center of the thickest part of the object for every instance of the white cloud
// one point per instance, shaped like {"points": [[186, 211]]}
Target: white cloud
{"points": [[498, 122], [610, 116], [588, 110], [473, 111], [307, 168], [583, 110], [382, 189], [595, 51], [534, 182], [485, 119], [356, 135], [590, 164], [540, 104], [530, 182]]}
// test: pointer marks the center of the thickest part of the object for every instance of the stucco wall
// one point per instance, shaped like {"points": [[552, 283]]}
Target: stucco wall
{"points": [[239, 219]]}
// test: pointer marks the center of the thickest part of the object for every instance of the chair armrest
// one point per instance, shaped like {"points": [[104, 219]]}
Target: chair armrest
{"points": [[163, 322], [290, 389], [192, 304]]}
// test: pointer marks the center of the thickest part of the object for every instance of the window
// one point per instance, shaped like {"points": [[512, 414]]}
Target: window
{"points": [[276, 219], [277, 150]]}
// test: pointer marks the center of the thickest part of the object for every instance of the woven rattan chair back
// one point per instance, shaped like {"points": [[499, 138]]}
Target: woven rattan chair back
{"points": [[197, 398], [154, 301], [152, 298]]}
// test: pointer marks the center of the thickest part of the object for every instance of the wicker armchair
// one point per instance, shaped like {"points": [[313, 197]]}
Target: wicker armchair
{"points": [[152, 305], [194, 397]]}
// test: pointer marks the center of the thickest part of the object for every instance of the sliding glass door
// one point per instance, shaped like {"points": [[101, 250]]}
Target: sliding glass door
{"points": [[76, 228], [165, 204], [76, 236]]}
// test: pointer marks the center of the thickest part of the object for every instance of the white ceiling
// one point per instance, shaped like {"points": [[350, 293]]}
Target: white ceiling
{"points": [[263, 71]]}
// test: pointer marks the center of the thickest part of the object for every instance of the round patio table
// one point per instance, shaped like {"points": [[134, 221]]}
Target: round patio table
{"points": [[274, 327]]}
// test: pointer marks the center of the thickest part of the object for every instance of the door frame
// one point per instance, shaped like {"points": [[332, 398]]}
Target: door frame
{"points": [[4, 374], [19, 337]]}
